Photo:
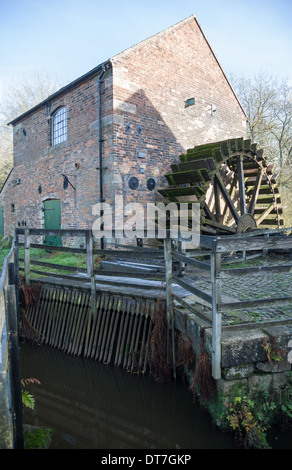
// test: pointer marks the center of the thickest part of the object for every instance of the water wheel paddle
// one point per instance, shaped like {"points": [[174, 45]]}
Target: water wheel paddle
{"points": [[233, 184]]}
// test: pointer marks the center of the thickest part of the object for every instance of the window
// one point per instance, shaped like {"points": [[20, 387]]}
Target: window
{"points": [[60, 126]]}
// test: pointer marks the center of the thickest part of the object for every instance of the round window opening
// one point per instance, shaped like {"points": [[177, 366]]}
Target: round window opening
{"points": [[151, 184], [133, 182]]}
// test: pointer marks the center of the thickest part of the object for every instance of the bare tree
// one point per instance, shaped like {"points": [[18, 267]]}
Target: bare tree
{"points": [[17, 99], [267, 101]]}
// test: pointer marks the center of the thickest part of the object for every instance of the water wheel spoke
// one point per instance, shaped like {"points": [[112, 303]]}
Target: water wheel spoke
{"points": [[265, 214], [226, 197], [255, 192], [242, 200]]}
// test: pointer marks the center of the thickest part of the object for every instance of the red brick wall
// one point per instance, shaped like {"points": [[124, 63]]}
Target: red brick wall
{"points": [[152, 80], [38, 163], [145, 127]]}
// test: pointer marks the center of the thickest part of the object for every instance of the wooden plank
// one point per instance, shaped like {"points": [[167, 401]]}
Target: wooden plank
{"points": [[49, 248], [265, 214], [109, 314], [69, 299], [194, 290], [225, 273], [61, 267], [195, 309], [112, 314], [97, 329], [60, 317], [228, 244], [225, 306], [192, 262], [87, 351], [103, 314], [111, 346]]}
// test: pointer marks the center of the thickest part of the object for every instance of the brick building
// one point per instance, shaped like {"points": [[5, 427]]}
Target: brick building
{"points": [[116, 129]]}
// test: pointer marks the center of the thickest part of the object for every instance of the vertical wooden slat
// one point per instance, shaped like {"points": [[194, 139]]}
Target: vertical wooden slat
{"points": [[129, 334], [117, 317], [94, 326], [112, 314], [101, 328], [70, 317], [61, 310], [105, 333], [46, 315], [99, 317], [76, 323], [64, 320]]}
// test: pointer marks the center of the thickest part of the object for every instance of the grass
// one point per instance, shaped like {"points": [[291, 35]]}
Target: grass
{"points": [[55, 257]]}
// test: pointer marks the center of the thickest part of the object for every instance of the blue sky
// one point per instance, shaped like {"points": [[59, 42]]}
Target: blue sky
{"points": [[67, 38]]}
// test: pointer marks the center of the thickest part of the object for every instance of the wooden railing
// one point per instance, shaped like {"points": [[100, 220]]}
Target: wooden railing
{"points": [[251, 241], [212, 247], [11, 432]]}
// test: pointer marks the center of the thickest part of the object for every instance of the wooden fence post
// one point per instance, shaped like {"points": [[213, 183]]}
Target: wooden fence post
{"points": [[90, 260], [27, 256], [12, 326], [16, 271], [169, 300], [216, 314]]}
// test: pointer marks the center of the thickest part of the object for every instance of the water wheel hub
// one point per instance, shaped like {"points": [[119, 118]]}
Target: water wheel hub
{"points": [[246, 223]]}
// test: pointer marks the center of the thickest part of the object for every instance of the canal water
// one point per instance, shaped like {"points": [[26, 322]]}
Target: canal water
{"points": [[94, 406], [90, 405]]}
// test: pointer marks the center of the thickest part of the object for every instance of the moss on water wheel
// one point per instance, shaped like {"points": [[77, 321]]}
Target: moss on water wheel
{"points": [[235, 187]]}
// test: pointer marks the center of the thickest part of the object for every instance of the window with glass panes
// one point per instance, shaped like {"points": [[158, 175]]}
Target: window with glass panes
{"points": [[60, 126]]}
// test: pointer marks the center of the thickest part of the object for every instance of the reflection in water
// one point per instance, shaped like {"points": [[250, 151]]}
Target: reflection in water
{"points": [[93, 406]]}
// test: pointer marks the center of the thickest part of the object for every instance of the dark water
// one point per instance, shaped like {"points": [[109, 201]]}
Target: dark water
{"points": [[93, 406]]}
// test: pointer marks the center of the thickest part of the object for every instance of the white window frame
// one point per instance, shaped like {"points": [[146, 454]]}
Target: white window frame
{"points": [[59, 126]]}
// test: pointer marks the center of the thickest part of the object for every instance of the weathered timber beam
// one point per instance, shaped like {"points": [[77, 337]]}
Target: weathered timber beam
{"points": [[265, 214], [253, 303], [194, 290], [191, 261], [225, 273], [255, 193], [227, 198], [242, 200], [251, 244]]}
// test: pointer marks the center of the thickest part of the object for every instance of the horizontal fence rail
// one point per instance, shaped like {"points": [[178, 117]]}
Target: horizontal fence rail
{"points": [[210, 247]]}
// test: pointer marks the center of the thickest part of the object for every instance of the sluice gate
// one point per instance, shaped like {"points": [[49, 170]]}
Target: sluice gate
{"points": [[113, 329]]}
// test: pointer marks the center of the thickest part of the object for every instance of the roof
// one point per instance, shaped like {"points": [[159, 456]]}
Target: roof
{"points": [[62, 90]]}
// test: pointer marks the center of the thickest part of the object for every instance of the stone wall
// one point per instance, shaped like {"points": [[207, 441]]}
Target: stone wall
{"points": [[252, 358]]}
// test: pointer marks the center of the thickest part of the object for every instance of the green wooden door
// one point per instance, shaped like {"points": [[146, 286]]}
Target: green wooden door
{"points": [[1, 222], [52, 211]]}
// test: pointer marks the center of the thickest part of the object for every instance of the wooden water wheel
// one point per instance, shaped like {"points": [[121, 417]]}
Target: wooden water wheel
{"points": [[233, 183]]}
